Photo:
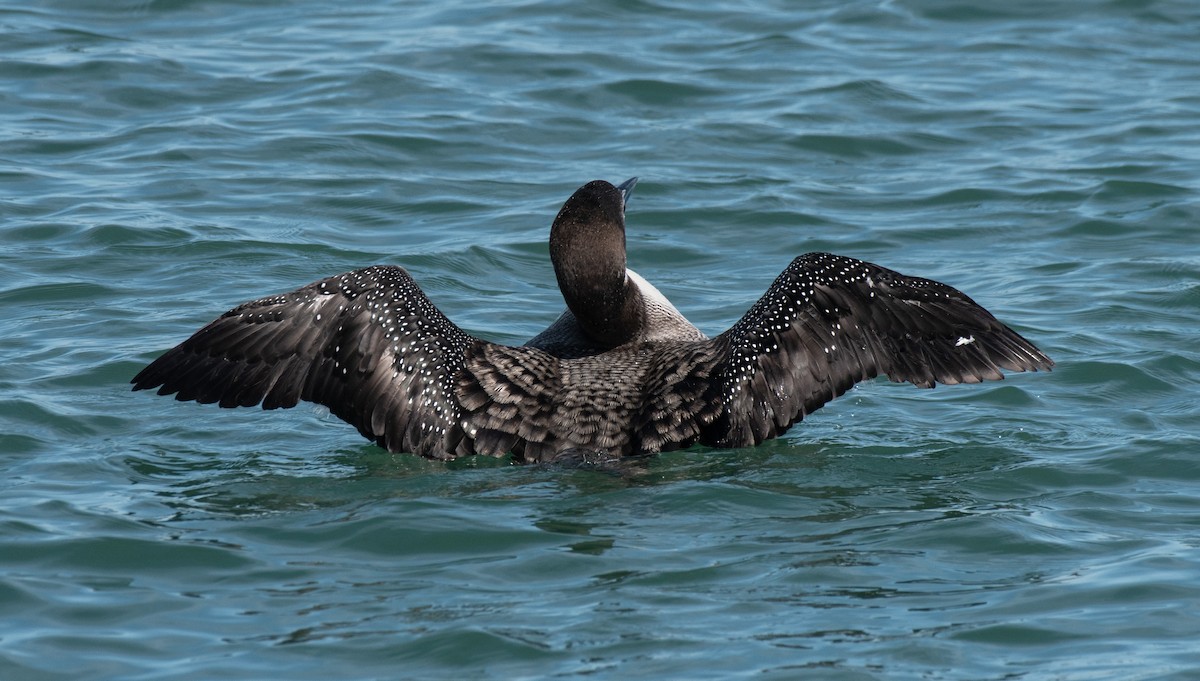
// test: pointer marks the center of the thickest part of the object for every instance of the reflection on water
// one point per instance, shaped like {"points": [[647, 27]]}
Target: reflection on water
{"points": [[164, 161]]}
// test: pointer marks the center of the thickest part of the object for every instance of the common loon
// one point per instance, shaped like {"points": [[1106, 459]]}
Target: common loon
{"points": [[620, 373]]}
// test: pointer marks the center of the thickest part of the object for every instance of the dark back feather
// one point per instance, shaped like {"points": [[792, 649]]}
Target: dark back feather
{"points": [[367, 344], [828, 322]]}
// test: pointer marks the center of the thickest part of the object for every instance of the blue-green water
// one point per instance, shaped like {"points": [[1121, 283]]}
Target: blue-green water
{"points": [[161, 161]]}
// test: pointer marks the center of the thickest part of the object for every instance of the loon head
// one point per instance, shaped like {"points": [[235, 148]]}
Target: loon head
{"points": [[587, 247]]}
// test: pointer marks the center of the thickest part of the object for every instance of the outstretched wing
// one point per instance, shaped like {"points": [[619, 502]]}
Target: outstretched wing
{"points": [[367, 344], [829, 322]]}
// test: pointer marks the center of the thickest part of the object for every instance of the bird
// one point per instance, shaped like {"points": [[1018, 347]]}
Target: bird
{"points": [[620, 373]]}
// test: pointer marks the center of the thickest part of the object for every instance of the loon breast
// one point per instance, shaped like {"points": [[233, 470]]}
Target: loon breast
{"points": [[620, 373]]}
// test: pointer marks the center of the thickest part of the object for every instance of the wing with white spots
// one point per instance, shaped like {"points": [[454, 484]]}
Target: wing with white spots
{"points": [[367, 344], [829, 322]]}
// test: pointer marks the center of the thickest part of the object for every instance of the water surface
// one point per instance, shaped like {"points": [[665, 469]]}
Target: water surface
{"points": [[162, 161]]}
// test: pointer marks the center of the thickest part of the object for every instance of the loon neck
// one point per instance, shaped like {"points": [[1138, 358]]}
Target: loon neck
{"points": [[610, 315], [587, 247]]}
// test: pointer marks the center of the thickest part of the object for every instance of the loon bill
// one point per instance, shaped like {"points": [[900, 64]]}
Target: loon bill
{"points": [[620, 373]]}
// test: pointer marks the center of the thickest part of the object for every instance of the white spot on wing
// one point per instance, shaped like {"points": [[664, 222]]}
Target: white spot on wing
{"points": [[964, 341]]}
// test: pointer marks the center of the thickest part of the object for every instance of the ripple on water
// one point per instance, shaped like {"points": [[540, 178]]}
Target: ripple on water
{"points": [[167, 160]]}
